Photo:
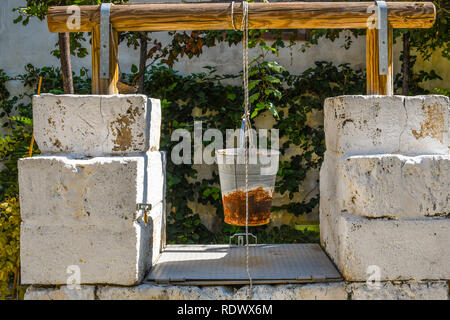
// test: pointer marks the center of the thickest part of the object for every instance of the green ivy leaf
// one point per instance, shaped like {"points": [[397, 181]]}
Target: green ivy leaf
{"points": [[272, 79], [273, 110], [231, 96], [252, 84], [253, 97]]}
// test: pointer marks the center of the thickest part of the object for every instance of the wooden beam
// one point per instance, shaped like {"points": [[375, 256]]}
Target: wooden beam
{"points": [[105, 86], [376, 83], [216, 16]]}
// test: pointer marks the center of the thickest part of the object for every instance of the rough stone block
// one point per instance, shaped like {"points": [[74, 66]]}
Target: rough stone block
{"points": [[395, 186], [150, 291], [330, 206], [96, 125], [387, 124], [386, 185], [89, 217], [390, 290], [61, 293], [403, 250], [411, 290], [312, 291]]}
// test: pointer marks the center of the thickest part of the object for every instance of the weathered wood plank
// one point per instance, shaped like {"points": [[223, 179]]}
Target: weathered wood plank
{"points": [[104, 86], [216, 16], [376, 83]]}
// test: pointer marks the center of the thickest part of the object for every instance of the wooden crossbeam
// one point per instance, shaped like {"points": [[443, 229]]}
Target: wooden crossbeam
{"points": [[217, 16]]}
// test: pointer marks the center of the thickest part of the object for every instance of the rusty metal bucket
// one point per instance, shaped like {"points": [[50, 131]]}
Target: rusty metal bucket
{"points": [[262, 171]]}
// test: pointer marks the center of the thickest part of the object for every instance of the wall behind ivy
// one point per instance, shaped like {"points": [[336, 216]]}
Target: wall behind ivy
{"points": [[20, 45]]}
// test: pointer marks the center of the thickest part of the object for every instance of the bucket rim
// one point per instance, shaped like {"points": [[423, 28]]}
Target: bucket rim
{"points": [[235, 152]]}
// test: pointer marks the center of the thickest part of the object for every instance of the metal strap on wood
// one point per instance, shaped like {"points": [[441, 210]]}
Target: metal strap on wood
{"points": [[105, 27], [382, 26]]}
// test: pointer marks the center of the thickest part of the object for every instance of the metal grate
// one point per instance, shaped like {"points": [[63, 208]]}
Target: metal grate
{"points": [[225, 264]]}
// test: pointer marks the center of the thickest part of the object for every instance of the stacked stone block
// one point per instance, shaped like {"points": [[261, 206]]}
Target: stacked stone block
{"points": [[384, 187], [99, 159]]}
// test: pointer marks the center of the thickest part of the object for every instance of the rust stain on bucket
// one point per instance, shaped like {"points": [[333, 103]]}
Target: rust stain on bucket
{"points": [[259, 203]]}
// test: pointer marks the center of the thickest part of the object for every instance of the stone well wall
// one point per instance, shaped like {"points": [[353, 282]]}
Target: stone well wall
{"points": [[391, 290], [384, 187], [79, 197], [384, 204]]}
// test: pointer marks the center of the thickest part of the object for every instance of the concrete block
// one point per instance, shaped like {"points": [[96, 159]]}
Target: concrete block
{"points": [[96, 125], [414, 249], [312, 291], [386, 185], [150, 291], [89, 217], [391, 290], [60, 293], [330, 206], [359, 124], [395, 186], [410, 290]]}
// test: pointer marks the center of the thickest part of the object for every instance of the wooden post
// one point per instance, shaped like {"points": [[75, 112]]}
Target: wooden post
{"points": [[376, 83], [105, 86]]}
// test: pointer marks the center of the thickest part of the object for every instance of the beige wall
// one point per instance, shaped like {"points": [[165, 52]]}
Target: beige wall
{"points": [[20, 45], [439, 64]]}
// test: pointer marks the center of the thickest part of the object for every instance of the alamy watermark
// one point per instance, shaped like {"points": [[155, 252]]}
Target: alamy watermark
{"points": [[74, 279], [191, 149], [74, 20], [373, 281]]}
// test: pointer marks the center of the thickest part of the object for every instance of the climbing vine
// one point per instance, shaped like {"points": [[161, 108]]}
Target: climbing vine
{"points": [[295, 96], [291, 99], [16, 116], [9, 248]]}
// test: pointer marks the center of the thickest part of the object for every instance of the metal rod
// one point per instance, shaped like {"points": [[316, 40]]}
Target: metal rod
{"points": [[105, 13], [382, 26]]}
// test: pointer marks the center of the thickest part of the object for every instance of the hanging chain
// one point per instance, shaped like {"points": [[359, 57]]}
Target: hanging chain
{"points": [[246, 121]]}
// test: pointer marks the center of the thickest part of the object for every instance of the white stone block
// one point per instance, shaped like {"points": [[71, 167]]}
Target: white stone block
{"points": [[390, 290], [61, 293], [411, 290], [387, 124], [395, 186], [386, 185], [150, 291], [329, 206], [414, 249], [83, 213], [96, 125], [312, 291]]}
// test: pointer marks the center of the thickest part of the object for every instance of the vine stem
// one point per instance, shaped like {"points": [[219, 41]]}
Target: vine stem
{"points": [[16, 273]]}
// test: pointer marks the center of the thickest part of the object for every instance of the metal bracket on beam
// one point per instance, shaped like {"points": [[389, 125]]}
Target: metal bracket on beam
{"points": [[383, 45], [105, 27]]}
